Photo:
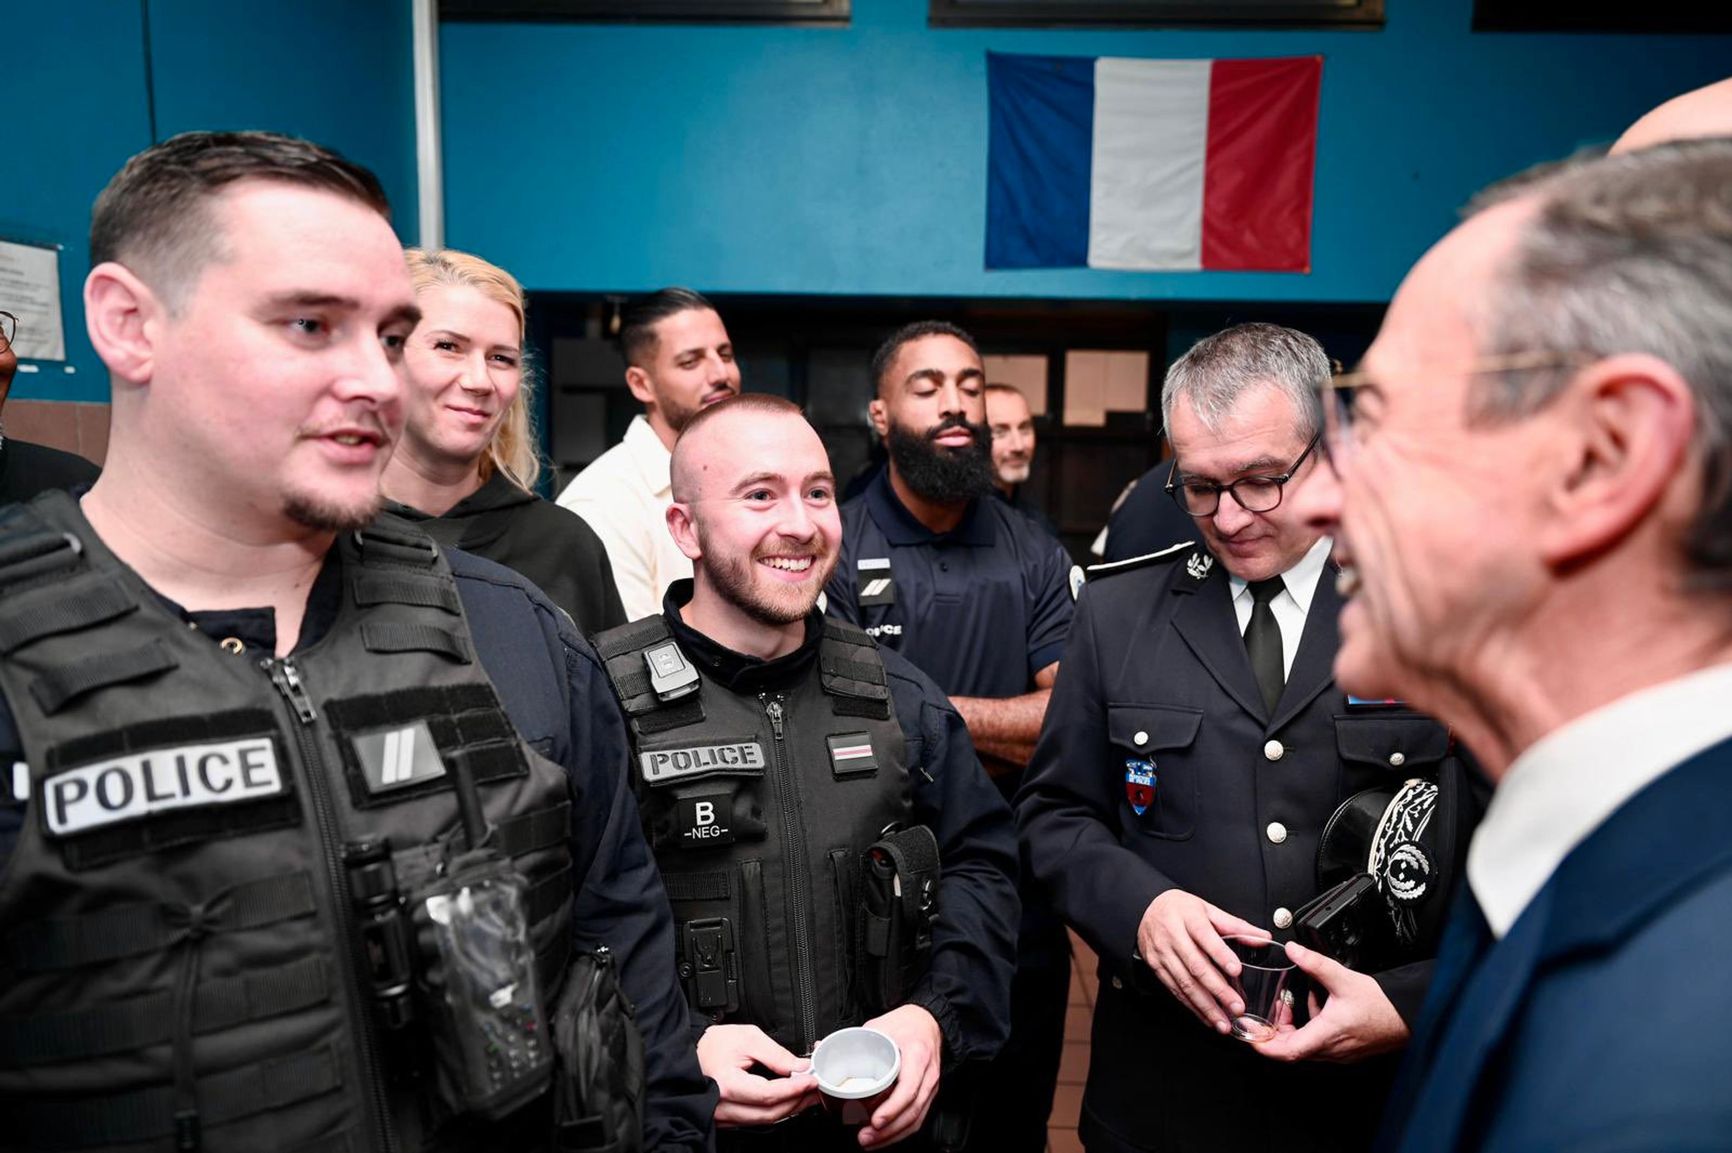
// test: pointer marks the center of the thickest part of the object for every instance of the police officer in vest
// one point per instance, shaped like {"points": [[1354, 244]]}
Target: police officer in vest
{"points": [[1193, 759], [834, 852], [304, 821]]}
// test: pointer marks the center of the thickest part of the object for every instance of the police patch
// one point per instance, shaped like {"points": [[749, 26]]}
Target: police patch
{"points": [[706, 820], [1139, 784], [874, 582], [734, 757], [126, 788], [398, 757], [851, 754]]}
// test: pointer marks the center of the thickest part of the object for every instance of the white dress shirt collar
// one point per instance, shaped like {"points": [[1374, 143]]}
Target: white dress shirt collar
{"points": [[1566, 784]]}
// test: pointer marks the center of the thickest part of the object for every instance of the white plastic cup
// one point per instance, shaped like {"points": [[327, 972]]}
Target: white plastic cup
{"points": [[855, 1066]]}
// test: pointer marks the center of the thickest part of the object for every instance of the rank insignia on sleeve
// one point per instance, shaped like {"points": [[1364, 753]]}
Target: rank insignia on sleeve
{"points": [[1198, 566], [874, 583], [1139, 784]]}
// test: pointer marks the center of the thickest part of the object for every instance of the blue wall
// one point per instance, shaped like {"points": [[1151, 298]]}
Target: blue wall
{"points": [[853, 160], [78, 104]]}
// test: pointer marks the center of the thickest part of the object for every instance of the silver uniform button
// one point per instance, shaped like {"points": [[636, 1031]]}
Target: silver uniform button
{"points": [[1139, 738], [1118, 984], [1274, 750], [1283, 917], [1397, 759], [1277, 832]]}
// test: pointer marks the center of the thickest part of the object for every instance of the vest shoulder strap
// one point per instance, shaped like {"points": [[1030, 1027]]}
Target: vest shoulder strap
{"points": [[851, 671], [622, 652]]}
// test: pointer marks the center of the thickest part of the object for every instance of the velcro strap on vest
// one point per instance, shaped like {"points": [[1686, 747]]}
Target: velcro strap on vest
{"points": [[56, 688], [634, 637], [675, 716], [707, 886], [150, 1020], [67, 942], [542, 829], [851, 673], [413, 638], [149, 1114], [394, 541], [36, 553], [67, 606], [399, 588]]}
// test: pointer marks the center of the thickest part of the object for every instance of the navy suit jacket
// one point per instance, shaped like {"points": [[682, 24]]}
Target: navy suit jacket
{"points": [[1602, 1020]]}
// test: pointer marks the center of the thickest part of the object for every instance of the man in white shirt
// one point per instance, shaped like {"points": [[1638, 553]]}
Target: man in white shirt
{"points": [[1532, 496], [678, 360]]}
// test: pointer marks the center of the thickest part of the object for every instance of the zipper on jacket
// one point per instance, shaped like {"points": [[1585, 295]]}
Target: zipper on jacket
{"points": [[798, 879], [287, 679]]}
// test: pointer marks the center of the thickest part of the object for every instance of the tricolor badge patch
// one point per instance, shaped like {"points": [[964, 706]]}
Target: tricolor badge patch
{"points": [[1139, 784], [851, 754]]}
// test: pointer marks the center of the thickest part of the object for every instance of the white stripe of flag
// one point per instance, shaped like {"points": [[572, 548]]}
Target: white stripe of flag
{"points": [[852, 752]]}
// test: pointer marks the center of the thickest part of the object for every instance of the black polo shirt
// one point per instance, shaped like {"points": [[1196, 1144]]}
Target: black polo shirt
{"points": [[980, 609]]}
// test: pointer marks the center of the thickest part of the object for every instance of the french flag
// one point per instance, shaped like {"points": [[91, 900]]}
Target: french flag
{"points": [[1107, 162]]}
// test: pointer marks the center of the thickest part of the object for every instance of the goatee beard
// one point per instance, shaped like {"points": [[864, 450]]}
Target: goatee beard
{"points": [[939, 474]]}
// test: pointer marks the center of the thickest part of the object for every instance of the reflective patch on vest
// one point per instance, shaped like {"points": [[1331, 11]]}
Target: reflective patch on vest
{"points": [[874, 582], [129, 787], [398, 758], [663, 765], [706, 820], [851, 755]]}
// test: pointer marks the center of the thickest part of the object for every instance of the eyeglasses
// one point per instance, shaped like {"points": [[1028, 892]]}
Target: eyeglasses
{"points": [[1344, 431], [8, 328], [1253, 493]]}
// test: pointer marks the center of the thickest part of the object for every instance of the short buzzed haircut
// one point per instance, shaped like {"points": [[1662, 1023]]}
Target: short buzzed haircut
{"points": [[908, 334], [638, 320], [155, 218], [760, 403]]}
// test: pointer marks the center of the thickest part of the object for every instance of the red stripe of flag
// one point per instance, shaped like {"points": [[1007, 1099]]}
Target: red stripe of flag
{"points": [[1260, 161]]}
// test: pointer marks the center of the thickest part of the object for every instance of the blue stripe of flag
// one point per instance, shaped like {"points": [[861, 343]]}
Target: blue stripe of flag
{"points": [[1039, 154]]}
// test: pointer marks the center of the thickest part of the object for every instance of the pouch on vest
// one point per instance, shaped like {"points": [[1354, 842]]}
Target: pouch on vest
{"points": [[898, 907], [598, 1086], [490, 1048]]}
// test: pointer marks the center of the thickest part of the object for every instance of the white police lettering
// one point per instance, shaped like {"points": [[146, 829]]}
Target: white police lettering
{"points": [[668, 764], [106, 792], [884, 630]]}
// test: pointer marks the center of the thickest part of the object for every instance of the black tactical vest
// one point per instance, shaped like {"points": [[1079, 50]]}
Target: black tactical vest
{"points": [[759, 809], [178, 949]]}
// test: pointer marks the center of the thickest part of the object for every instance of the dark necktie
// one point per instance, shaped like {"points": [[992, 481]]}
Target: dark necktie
{"points": [[1263, 642]]}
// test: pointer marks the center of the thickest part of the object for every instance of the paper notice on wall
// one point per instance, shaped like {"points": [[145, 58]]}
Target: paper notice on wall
{"points": [[30, 290]]}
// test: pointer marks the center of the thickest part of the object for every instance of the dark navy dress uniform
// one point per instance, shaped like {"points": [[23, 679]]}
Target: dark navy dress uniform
{"points": [[980, 609], [1156, 673], [556, 694]]}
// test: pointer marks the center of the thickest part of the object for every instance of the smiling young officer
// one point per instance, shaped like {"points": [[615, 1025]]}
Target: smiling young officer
{"points": [[226, 684], [776, 750]]}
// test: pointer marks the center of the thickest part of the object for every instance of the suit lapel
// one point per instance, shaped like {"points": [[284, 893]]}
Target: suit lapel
{"points": [[1628, 871], [1205, 620]]}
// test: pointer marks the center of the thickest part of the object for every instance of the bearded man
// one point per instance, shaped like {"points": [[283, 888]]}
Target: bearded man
{"points": [[979, 597]]}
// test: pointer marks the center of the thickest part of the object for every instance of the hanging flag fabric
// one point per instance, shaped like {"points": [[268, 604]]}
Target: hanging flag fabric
{"points": [[1151, 164]]}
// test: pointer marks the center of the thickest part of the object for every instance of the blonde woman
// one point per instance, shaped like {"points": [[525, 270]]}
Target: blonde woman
{"points": [[466, 467]]}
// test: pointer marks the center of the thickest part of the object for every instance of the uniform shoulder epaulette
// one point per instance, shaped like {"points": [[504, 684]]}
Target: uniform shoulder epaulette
{"points": [[1166, 555]]}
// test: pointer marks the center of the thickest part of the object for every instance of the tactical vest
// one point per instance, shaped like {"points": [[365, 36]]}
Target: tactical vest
{"points": [[179, 951], [758, 809]]}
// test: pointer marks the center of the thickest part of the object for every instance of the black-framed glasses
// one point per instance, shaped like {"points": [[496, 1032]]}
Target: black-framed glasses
{"points": [[8, 328], [1258, 493]]}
